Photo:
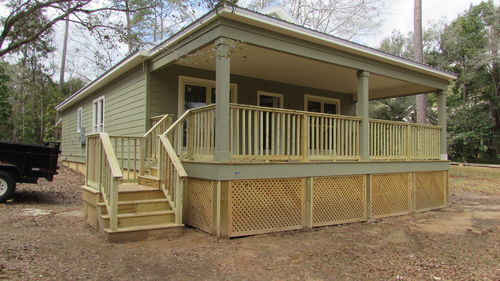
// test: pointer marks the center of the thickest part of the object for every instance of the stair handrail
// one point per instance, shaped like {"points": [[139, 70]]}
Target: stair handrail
{"points": [[150, 146], [110, 177]]}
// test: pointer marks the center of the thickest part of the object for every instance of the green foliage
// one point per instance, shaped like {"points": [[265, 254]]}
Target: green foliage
{"points": [[5, 106], [467, 46], [394, 109], [469, 132]]}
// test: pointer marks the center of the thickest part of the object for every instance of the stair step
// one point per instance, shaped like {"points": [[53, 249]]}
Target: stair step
{"points": [[153, 171], [134, 206], [144, 232], [141, 218], [150, 181], [144, 227]]}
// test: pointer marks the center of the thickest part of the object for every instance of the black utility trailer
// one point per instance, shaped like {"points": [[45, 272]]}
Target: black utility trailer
{"points": [[25, 163]]}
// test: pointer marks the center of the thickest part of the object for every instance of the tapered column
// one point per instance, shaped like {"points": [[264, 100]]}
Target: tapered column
{"points": [[222, 74], [364, 149], [441, 100]]}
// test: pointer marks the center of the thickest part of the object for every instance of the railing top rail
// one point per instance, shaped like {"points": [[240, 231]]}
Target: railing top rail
{"points": [[175, 159], [202, 108], [176, 123], [292, 111], [404, 123], [116, 172], [157, 117], [157, 124], [125, 137]]}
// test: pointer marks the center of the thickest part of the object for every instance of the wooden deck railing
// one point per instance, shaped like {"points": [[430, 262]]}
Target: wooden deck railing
{"points": [[392, 140], [282, 134], [171, 171], [151, 144], [128, 155], [104, 173]]}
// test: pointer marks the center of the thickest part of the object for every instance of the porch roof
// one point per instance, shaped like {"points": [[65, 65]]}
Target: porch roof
{"points": [[252, 18]]}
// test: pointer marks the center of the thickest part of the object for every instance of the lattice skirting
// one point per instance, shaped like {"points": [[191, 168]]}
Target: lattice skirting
{"points": [[430, 190], [390, 194], [266, 205], [199, 204], [338, 200], [247, 207]]}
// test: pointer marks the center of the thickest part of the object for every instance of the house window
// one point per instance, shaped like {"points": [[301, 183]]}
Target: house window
{"points": [[98, 116], [268, 99], [196, 92], [79, 115], [321, 104]]}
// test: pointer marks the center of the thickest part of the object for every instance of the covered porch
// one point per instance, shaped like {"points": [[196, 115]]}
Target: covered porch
{"points": [[259, 104]]}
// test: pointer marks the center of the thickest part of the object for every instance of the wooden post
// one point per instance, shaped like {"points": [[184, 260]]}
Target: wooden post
{"points": [[441, 99], [222, 79], [368, 204], [224, 209], [309, 203], [364, 131], [113, 204], [304, 138], [179, 196]]}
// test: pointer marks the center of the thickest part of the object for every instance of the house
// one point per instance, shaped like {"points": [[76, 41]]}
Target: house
{"points": [[243, 123]]}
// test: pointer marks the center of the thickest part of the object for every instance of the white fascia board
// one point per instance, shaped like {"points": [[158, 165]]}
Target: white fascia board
{"points": [[337, 43]]}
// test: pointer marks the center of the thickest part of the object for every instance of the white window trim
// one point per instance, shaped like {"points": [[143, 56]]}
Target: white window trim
{"points": [[79, 119], [322, 100], [94, 113], [183, 80], [271, 94]]}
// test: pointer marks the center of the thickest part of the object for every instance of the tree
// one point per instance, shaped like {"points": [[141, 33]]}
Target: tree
{"points": [[5, 106], [421, 100], [22, 19], [343, 18]]}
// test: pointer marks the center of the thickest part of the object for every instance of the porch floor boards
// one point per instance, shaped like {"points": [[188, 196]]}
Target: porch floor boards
{"points": [[131, 187]]}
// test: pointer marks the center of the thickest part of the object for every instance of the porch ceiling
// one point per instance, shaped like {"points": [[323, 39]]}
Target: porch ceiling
{"points": [[252, 61]]}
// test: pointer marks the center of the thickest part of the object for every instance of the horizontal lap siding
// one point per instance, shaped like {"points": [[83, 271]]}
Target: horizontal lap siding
{"points": [[124, 113]]}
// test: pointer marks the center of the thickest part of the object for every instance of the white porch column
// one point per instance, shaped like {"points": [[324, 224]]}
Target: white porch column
{"points": [[222, 74], [441, 100], [364, 149]]}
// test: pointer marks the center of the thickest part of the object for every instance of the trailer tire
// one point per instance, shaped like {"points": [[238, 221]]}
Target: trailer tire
{"points": [[7, 186]]}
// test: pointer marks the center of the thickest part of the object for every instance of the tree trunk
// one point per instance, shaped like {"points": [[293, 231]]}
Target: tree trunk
{"points": [[63, 57], [421, 100], [493, 105], [129, 26]]}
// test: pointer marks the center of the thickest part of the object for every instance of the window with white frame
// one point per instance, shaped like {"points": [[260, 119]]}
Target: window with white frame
{"points": [[321, 104], [196, 92], [269, 99], [79, 115], [98, 115]]}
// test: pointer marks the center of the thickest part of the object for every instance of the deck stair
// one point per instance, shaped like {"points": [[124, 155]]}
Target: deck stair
{"points": [[143, 213], [137, 183]]}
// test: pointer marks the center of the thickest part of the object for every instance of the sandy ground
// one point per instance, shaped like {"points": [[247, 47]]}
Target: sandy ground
{"points": [[44, 237]]}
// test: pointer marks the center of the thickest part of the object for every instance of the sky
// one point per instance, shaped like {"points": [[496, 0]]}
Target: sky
{"points": [[400, 16]]}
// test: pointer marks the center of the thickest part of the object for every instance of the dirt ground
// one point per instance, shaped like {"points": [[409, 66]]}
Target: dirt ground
{"points": [[44, 237]]}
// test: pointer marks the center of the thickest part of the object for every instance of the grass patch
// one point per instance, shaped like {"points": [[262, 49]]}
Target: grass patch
{"points": [[475, 179]]}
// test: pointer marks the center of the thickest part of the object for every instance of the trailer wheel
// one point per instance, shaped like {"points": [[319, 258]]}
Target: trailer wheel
{"points": [[7, 186]]}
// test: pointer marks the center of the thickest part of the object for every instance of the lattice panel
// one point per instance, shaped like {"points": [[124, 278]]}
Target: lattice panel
{"points": [[430, 190], [390, 194], [338, 200], [199, 203], [259, 206]]}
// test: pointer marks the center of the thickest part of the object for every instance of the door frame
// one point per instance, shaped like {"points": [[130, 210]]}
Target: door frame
{"points": [[208, 84]]}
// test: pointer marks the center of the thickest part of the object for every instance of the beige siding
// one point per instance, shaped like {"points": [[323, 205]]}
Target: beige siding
{"points": [[164, 85], [124, 113]]}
